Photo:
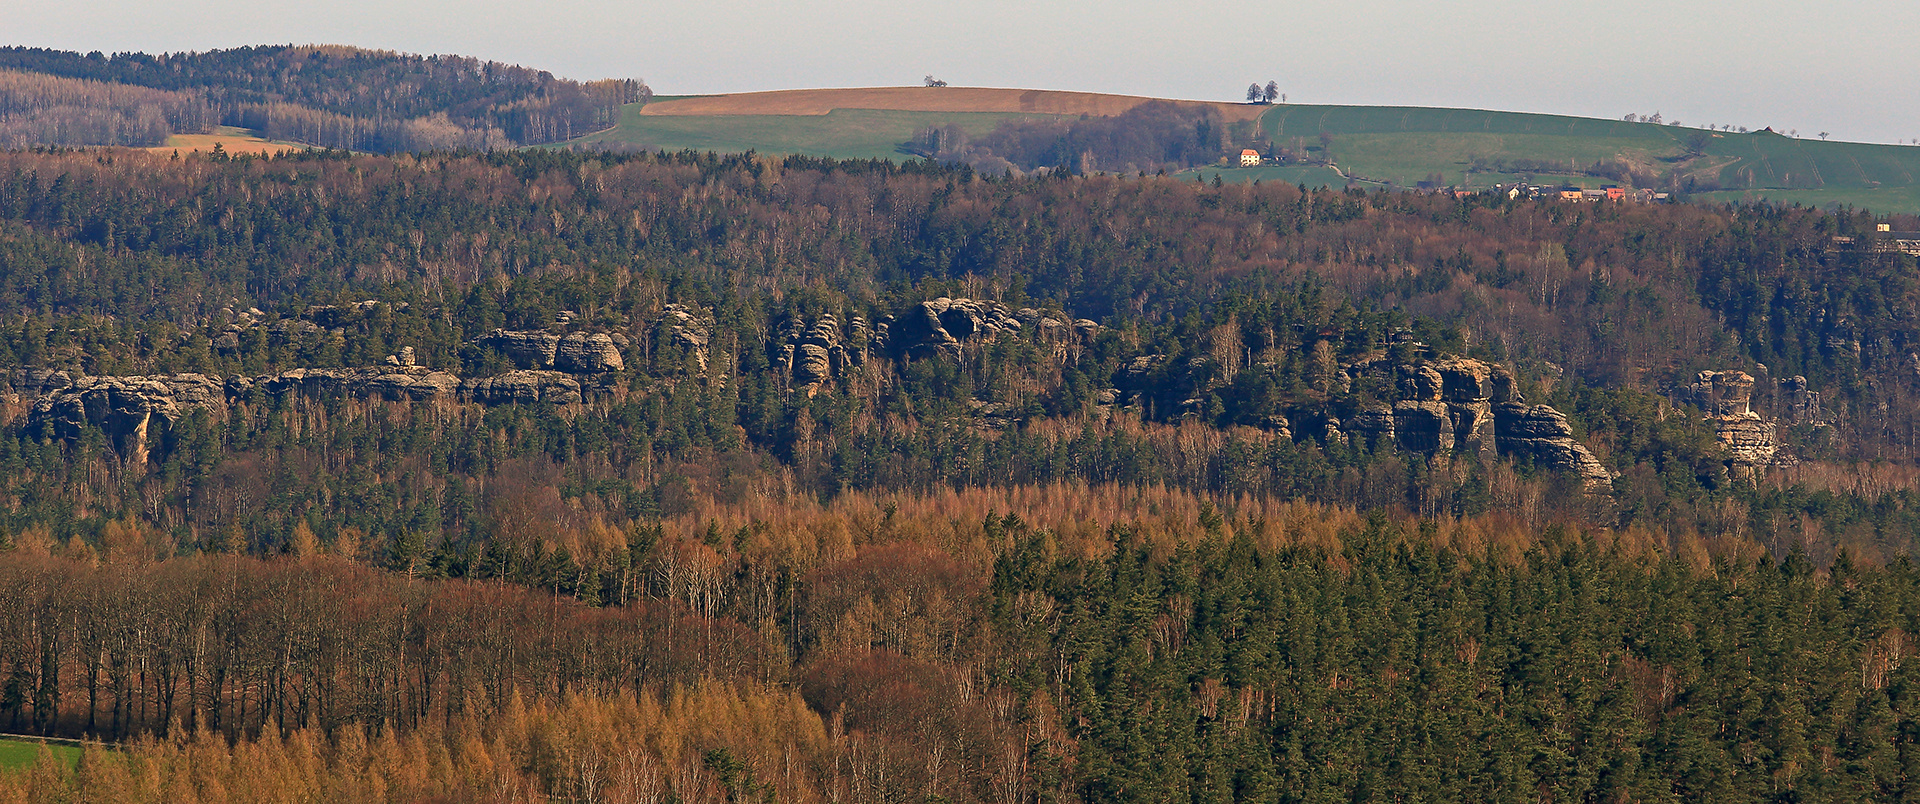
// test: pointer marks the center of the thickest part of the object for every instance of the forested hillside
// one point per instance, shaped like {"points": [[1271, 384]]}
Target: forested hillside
{"points": [[943, 485], [40, 109], [330, 96]]}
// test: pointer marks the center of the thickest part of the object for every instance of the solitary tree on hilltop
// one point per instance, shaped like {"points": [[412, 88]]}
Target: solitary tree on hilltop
{"points": [[1272, 91], [1253, 93]]}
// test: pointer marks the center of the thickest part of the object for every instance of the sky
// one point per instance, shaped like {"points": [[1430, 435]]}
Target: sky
{"points": [[1843, 66]]}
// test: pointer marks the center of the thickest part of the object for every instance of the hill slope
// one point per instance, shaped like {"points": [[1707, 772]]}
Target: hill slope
{"points": [[329, 95], [1403, 145], [1378, 145], [863, 123]]}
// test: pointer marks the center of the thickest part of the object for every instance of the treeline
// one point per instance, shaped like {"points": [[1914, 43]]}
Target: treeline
{"points": [[120, 645], [1154, 648], [351, 98], [1154, 136], [712, 742], [38, 109]]}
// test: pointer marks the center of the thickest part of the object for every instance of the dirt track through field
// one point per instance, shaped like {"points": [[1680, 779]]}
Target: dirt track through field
{"points": [[924, 99]]}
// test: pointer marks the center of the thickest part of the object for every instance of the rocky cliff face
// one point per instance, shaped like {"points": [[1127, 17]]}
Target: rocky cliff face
{"points": [[1459, 404], [684, 327], [1443, 406], [578, 352], [393, 382], [1799, 403], [1542, 433], [524, 387], [941, 326], [135, 413], [1727, 398], [811, 354], [138, 414]]}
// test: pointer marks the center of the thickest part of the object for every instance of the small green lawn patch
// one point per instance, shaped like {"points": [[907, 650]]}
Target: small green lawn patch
{"points": [[17, 754]]}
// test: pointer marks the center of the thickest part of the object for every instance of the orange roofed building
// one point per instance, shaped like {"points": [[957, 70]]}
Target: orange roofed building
{"points": [[1249, 158]]}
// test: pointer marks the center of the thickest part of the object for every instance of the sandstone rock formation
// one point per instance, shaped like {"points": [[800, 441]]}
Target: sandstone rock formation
{"points": [[680, 325], [29, 384], [1726, 397], [1799, 403], [583, 353], [1542, 433], [135, 413], [525, 387], [527, 350], [393, 382], [811, 355], [578, 352], [941, 326], [1459, 404]]}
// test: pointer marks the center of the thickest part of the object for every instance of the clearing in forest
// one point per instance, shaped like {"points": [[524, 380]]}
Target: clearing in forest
{"points": [[232, 140]]}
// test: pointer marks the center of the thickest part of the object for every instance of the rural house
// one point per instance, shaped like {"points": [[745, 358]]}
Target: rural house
{"points": [[1249, 157]]}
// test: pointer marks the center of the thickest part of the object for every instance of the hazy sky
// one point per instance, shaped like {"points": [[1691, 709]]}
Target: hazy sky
{"points": [[1842, 66]]}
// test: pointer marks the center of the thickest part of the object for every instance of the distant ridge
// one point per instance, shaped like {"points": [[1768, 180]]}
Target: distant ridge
{"points": [[927, 99], [1320, 145]]}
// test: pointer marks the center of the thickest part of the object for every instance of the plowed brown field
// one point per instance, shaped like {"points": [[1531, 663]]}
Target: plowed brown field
{"points": [[924, 99]]}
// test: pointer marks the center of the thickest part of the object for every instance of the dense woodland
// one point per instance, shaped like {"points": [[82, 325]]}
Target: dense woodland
{"points": [[1031, 567], [326, 95]]}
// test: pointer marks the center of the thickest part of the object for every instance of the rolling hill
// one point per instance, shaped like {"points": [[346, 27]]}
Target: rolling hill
{"points": [[1374, 145], [868, 123]]}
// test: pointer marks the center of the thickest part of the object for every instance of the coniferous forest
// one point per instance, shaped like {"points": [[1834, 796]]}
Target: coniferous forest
{"points": [[549, 475]]}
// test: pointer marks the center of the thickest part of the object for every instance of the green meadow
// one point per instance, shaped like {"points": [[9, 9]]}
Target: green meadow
{"points": [[16, 754], [841, 134], [1392, 146]]}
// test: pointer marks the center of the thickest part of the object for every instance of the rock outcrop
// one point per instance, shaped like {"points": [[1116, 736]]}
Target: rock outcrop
{"points": [[1799, 403], [578, 352], [941, 326], [136, 414], [1727, 399], [30, 384], [527, 350], [584, 353], [1459, 404], [393, 382], [812, 354], [681, 326], [1543, 434], [524, 387]]}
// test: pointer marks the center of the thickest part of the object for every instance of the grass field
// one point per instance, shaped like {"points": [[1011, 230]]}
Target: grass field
{"points": [[841, 133], [17, 754], [849, 123], [1311, 176], [231, 140], [1377, 145], [1885, 199], [1403, 146]]}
